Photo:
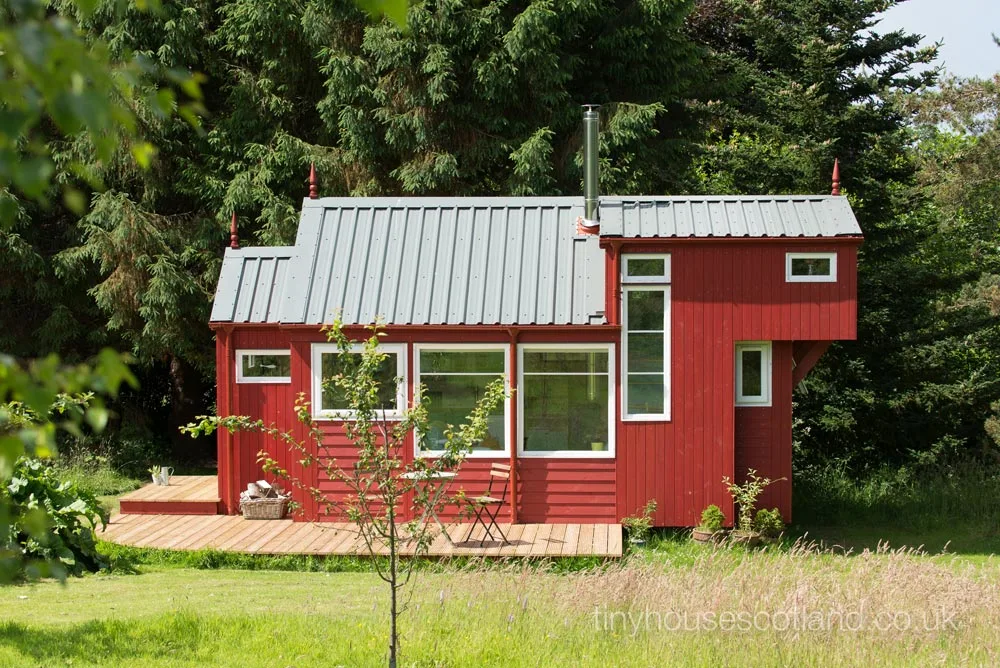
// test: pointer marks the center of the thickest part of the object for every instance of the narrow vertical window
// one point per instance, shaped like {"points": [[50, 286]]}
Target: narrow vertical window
{"points": [[753, 374], [646, 337]]}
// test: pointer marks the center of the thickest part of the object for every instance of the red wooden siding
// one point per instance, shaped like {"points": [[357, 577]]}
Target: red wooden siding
{"points": [[764, 435], [722, 293]]}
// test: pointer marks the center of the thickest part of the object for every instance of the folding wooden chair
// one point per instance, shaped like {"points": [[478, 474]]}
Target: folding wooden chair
{"points": [[489, 505]]}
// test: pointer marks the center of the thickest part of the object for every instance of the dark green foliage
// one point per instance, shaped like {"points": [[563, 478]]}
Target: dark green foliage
{"points": [[733, 96], [962, 496], [51, 524]]}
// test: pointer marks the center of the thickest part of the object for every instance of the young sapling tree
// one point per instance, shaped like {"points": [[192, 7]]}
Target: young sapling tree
{"points": [[380, 478]]}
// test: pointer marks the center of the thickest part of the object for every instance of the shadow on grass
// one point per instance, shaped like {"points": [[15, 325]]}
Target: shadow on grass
{"points": [[110, 641]]}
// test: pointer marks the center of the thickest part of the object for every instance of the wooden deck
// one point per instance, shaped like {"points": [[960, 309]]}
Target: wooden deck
{"points": [[235, 534], [185, 495]]}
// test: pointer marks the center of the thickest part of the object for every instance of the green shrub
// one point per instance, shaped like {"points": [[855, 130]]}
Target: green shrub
{"points": [[746, 496], [769, 523], [638, 526], [52, 523], [712, 519]]}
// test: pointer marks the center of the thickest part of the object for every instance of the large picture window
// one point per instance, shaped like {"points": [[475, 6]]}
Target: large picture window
{"points": [[455, 379], [329, 402], [646, 337], [753, 373], [263, 366], [566, 400]]}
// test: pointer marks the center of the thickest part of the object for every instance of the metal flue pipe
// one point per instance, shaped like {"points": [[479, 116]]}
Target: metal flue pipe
{"points": [[591, 194]]}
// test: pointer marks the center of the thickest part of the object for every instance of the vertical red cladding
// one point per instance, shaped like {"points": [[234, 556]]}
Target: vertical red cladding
{"points": [[721, 293], [273, 403], [764, 436], [223, 380]]}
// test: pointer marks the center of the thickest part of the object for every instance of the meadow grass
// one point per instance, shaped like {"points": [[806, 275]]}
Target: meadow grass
{"points": [[840, 594], [907, 610]]}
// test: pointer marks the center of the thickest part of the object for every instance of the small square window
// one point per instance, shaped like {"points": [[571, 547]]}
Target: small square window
{"points": [[646, 268], [810, 267], [263, 366]]}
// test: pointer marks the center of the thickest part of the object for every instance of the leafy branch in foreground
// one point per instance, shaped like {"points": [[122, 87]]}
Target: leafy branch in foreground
{"points": [[46, 526], [380, 479]]}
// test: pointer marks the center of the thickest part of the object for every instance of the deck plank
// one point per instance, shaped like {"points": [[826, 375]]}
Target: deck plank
{"points": [[600, 548], [615, 540], [571, 544], [556, 540], [585, 544]]}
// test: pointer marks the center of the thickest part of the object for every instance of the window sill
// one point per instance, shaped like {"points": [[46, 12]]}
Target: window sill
{"points": [[646, 418], [263, 381], [475, 454], [567, 454]]}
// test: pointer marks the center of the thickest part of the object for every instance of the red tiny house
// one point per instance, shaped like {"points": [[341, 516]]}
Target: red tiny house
{"points": [[651, 344]]}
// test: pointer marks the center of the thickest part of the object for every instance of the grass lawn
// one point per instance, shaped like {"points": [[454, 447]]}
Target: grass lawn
{"points": [[788, 607]]}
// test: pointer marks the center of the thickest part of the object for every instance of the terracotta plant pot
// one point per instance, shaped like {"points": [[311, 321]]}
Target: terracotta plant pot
{"points": [[745, 538], [702, 535]]}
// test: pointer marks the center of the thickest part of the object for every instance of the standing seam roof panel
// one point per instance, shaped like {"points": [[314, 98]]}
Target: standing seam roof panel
{"points": [[469, 261]]}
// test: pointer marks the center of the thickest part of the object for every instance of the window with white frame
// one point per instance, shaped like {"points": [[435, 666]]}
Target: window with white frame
{"points": [[263, 366], [566, 400], [454, 378], [810, 267], [646, 337], [753, 373], [330, 402]]}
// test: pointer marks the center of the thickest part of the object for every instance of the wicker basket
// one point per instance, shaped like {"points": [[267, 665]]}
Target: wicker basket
{"points": [[263, 509]]}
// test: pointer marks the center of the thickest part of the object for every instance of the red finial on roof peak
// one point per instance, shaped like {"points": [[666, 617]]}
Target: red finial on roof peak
{"points": [[313, 184], [836, 177], [234, 240]]}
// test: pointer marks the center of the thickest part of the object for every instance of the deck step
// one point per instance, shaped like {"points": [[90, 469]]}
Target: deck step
{"points": [[185, 495]]}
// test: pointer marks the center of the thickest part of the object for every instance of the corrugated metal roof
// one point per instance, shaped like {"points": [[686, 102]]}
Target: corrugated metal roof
{"points": [[480, 261], [766, 216], [459, 261], [251, 284]]}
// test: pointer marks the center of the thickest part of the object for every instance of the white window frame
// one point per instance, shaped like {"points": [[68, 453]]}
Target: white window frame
{"points": [[829, 278], [648, 283], [646, 417], [764, 399], [633, 280], [316, 372], [245, 380], [467, 348], [609, 348]]}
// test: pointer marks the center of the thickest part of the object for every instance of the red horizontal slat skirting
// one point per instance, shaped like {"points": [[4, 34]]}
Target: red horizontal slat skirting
{"points": [[171, 507]]}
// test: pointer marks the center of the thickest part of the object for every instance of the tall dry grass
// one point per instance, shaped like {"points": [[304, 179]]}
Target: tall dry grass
{"points": [[797, 607]]}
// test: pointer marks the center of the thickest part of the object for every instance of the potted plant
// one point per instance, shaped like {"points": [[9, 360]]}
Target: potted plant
{"points": [[746, 496], [638, 526], [154, 471], [769, 524], [712, 519]]}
